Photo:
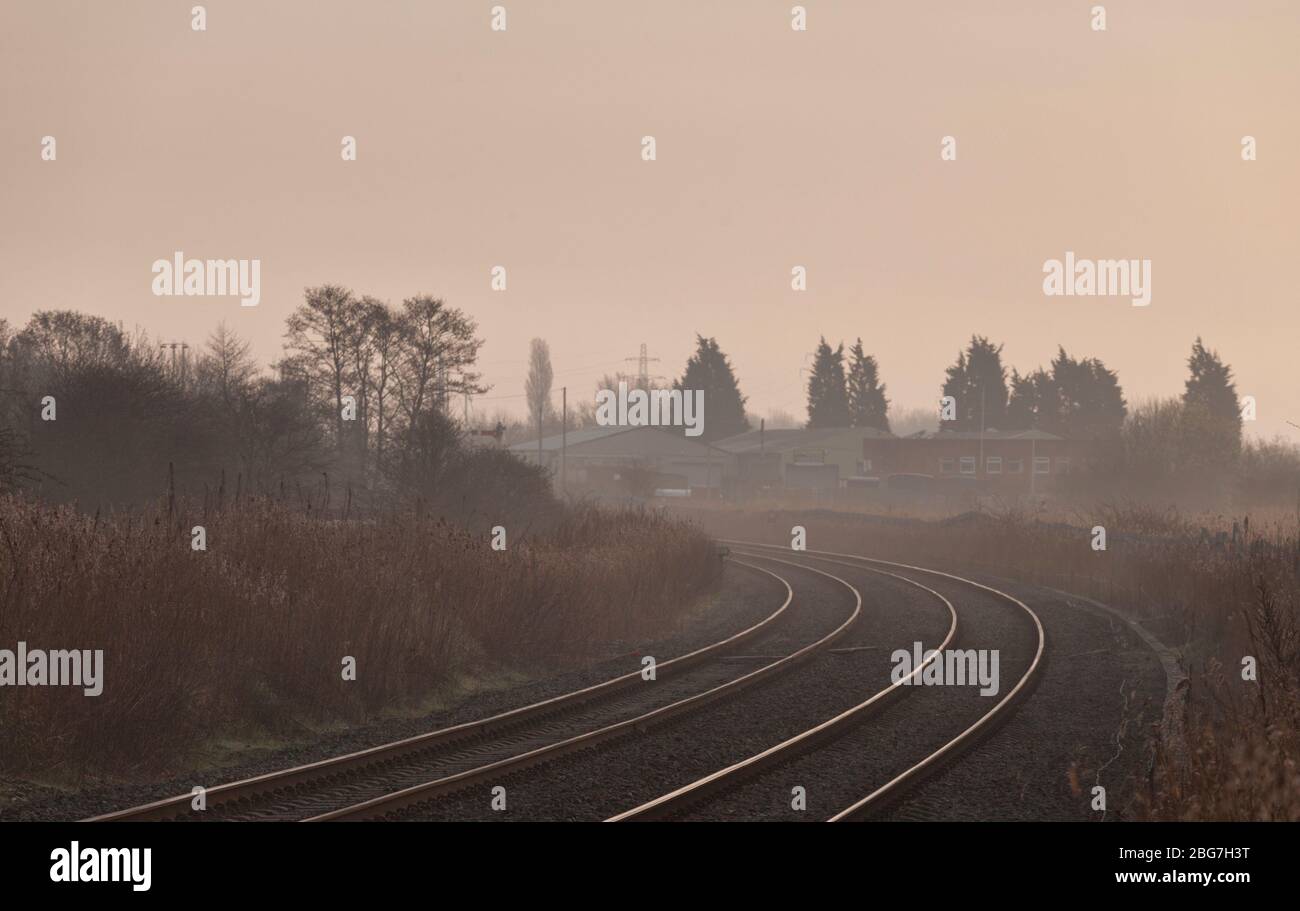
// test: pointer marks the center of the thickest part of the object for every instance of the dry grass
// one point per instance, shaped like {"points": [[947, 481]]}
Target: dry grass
{"points": [[250, 635], [1159, 516], [1216, 597]]}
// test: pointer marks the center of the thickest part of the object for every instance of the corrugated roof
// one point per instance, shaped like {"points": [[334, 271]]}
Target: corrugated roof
{"points": [[573, 438], [987, 435], [794, 438], [579, 437]]}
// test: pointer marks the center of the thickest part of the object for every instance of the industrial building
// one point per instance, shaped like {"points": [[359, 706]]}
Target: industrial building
{"points": [[801, 459], [827, 463], [638, 462]]}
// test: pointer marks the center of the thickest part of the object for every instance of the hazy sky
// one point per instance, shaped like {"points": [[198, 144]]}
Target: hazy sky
{"points": [[775, 148]]}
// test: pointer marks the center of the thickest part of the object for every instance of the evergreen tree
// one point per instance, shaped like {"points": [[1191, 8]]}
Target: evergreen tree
{"points": [[1077, 399], [978, 382], [868, 406], [724, 406], [828, 401], [1092, 402], [1211, 412], [1034, 403]]}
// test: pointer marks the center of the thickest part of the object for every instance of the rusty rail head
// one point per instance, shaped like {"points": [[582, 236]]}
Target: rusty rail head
{"points": [[665, 804], [388, 804]]}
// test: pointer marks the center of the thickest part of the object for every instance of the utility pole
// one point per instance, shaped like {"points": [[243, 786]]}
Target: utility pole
{"points": [[1033, 452], [708, 473], [564, 440]]}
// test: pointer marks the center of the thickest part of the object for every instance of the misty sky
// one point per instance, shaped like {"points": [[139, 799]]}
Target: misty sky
{"points": [[775, 148]]}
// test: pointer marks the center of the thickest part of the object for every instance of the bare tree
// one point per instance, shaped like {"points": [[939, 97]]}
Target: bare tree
{"points": [[438, 350], [226, 366], [316, 338], [67, 340], [386, 349]]}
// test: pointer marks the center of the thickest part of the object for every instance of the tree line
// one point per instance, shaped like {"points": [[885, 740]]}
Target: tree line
{"points": [[363, 395], [1195, 437], [356, 408], [1072, 397]]}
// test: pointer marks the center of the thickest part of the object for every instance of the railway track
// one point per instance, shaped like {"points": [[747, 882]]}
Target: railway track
{"points": [[408, 776], [727, 779], [381, 780]]}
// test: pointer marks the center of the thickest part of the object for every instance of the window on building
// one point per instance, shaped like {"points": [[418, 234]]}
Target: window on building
{"points": [[993, 465], [1015, 466], [947, 466], [1042, 465], [967, 464], [1062, 466]]}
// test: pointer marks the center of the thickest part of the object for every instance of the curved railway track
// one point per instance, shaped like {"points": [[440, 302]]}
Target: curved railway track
{"points": [[692, 795], [418, 769], [396, 778], [391, 803]]}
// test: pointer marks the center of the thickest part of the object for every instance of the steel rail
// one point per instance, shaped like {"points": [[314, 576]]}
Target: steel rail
{"points": [[271, 782], [389, 803], [984, 722], [726, 777]]}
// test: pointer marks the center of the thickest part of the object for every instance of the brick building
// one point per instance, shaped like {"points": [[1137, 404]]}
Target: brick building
{"points": [[1005, 461]]}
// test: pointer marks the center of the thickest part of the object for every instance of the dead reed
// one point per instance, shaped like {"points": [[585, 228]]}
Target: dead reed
{"points": [[250, 635]]}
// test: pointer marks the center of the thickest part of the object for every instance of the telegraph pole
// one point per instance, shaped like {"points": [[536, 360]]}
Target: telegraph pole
{"points": [[564, 440], [1033, 459]]}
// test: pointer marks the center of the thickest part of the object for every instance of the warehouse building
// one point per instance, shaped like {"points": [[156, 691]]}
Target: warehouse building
{"points": [[813, 460], [632, 462]]}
